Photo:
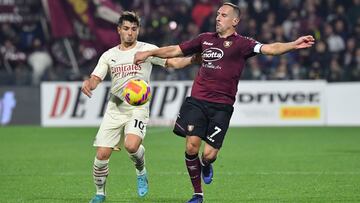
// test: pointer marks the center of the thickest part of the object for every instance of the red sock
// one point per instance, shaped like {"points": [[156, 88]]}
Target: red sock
{"points": [[194, 168]]}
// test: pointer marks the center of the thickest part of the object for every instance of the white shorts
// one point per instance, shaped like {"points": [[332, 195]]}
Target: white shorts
{"points": [[120, 118]]}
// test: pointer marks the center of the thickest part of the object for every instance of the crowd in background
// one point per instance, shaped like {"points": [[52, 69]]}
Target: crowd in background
{"points": [[30, 54]]}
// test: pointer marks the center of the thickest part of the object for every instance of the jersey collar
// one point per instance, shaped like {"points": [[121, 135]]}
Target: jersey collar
{"points": [[232, 35]]}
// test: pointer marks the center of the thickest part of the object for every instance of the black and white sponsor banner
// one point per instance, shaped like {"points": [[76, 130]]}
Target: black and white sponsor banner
{"points": [[279, 103], [257, 103]]}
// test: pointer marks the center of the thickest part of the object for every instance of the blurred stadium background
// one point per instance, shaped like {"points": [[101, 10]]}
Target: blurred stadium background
{"points": [[47, 126], [41, 42]]}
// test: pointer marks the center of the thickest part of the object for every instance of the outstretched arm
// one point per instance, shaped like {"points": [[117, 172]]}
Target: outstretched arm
{"points": [[90, 84], [181, 62], [163, 52], [278, 48]]}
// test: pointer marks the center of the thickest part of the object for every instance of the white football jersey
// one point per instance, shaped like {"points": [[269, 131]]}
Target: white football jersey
{"points": [[120, 65]]}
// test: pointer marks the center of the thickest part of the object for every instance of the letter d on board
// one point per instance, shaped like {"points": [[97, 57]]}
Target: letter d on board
{"points": [[61, 102]]}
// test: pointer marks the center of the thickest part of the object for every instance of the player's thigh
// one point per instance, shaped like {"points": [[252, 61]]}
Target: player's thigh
{"points": [[191, 120], [218, 125], [137, 122], [111, 128]]}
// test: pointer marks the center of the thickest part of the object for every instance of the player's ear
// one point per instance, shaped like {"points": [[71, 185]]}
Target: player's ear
{"points": [[236, 21], [118, 29]]}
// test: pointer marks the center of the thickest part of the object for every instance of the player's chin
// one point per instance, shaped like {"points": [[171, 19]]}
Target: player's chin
{"points": [[130, 40]]}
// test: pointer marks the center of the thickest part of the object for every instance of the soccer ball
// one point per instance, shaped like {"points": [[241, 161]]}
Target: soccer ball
{"points": [[136, 92]]}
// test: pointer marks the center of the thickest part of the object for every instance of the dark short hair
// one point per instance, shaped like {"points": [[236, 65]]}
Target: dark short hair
{"points": [[235, 7], [130, 16]]}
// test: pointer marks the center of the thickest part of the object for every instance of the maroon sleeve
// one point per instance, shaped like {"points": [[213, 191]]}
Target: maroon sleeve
{"points": [[248, 45], [191, 46]]}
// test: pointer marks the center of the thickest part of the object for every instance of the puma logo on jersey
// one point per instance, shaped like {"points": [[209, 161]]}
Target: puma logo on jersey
{"points": [[208, 43]]}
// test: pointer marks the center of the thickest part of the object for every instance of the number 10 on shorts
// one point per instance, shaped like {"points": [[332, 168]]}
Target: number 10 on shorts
{"points": [[139, 124]]}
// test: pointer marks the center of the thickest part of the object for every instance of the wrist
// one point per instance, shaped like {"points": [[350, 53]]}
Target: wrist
{"points": [[293, 45]]}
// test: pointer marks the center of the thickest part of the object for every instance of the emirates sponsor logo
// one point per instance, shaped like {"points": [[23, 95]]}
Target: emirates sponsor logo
{"points": [[212, 54], [125, 70]]}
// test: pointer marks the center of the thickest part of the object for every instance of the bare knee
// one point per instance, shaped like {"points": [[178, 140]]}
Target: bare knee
{"points": [[192, 148], [131, 147], [132, 143], [103, 153], [210, 153]]}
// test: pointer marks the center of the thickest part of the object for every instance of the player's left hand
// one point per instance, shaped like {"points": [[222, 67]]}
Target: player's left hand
{"points": [[140, 57], [304, 42]]}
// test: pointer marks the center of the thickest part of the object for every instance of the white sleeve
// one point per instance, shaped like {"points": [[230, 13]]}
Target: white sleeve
{"points": [[101, 68], [257, 48], [157, 61]]}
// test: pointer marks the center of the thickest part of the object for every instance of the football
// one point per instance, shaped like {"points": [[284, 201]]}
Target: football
{"points": [[136, 92]]}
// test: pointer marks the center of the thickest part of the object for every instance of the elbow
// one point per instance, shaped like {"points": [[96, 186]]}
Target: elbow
{"points": [[271, 53]]}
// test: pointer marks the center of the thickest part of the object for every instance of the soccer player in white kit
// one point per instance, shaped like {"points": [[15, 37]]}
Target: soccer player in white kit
{"points": [[120, 118]]}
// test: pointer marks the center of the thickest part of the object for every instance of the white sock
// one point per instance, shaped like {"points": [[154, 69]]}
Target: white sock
{"points": [[100, 173], [139, 160]]}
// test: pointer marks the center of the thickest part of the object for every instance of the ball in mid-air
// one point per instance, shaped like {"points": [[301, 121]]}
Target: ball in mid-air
{"points": [[136, 92]]}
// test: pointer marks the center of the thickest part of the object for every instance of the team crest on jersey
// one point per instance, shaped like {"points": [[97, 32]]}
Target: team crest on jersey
{"points": [[190, 128], [227, 44]]}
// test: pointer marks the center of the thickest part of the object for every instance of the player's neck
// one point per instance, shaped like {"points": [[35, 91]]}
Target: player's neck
{"points": [[226, 34], [126, 46]]}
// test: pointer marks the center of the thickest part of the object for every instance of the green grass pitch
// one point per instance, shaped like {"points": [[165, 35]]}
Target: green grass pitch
{"points": [[292, 164]]}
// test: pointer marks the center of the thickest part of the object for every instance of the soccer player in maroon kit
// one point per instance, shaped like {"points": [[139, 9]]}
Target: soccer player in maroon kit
{"points": [[205, 115]]}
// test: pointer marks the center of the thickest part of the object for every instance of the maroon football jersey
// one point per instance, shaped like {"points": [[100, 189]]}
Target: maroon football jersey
{"points": [[223, 60]]}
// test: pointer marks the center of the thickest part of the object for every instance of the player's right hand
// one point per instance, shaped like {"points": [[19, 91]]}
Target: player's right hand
{"points": [[86, 88]]}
